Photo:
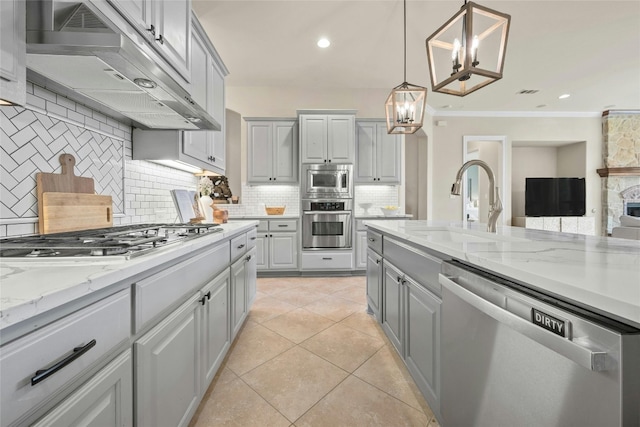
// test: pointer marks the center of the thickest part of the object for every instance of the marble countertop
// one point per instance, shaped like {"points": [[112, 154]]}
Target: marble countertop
{"points": [[29, 287], [369, 216], [601, 273]]}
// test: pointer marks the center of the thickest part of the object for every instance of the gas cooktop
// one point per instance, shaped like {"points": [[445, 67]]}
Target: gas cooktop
{"points": [[127, 241]]}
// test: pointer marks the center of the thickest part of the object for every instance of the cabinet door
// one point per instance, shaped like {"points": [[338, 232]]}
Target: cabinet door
{"points": [[387, 155], [200, 87], [374, 283], [313, 138], [341, 135], [13, 77], [262, 252], [285, 147], [392, 305], [215, 325], [252, 271], [238, 295], [260, 152], [216, 108], [167, 366], [137, 12], [283, 250], [422, 346], [173, 37], [361, 249], [365, 152], [196, 144], [106, 400]]}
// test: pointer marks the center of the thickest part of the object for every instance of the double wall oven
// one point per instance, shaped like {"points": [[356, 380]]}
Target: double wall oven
{"points": [[327, 206]]}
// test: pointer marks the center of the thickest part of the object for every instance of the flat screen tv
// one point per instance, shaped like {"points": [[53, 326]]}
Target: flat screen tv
{"points": [[554, 197]]}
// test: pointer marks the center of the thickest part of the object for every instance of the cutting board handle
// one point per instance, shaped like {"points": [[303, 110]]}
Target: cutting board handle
{"points": [[67, 161]]}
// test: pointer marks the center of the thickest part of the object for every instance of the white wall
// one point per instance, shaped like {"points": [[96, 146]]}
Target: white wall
{"points": [[447, 152], [571, 160]]}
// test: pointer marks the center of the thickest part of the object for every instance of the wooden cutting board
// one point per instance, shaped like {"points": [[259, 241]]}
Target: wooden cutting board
{"points": [[74, 211], [81, 212]]}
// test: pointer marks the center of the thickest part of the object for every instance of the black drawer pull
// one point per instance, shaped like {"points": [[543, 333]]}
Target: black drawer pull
{"points": [[283, 225], [208, 295], [254, 238], [77, 352], [377, 261], [160, 39], [371, 239], [327, 258], [241, 246], [248, 258], [152, 30]]}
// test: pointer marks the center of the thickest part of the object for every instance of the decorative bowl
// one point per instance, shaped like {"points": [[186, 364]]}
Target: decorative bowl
{"points": [[365, 206], [390, 210], [275, 210]]}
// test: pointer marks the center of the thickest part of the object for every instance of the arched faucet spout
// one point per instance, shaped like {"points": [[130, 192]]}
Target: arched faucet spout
{"points": [[495, 204]]}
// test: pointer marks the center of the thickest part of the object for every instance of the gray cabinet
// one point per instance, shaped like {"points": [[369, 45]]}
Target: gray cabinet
{"points": [[422, 338], [167, 26], [361, 249], [13, 78], [277, 245], [327, 138], [106, 400], [167, 366], [238, 295], [378, 154], [392, 306], [272, 147], [252, 271], [216, 330], [374, 283]]}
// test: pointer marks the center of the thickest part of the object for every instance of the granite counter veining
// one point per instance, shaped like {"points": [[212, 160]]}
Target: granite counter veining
{"points": [[600, 273], [29, 287]]}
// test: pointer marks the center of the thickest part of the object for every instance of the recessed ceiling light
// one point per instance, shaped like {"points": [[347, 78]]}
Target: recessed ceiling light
{"points": [[541, 106], [324, 43], [564, 96], [446, 106], [606, 107]]}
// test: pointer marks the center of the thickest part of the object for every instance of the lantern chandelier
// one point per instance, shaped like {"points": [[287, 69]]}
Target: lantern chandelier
{"points": [[467, 52], [406, 102]]}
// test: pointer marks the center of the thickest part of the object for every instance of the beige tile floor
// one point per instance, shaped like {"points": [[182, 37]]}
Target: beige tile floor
{"points": [[309, 355]]}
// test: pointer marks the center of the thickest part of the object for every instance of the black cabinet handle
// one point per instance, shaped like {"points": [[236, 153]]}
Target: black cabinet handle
{"points": [[266, 235], [46, 373], [202, 300], [208, 295], [270, 235], [327, 258], [371, 239], [399, 279], [248, 258], [325, 160], [152, 30], [241, 246], [374, 179], [270, 179], [377, 261], [274, 179], [254, 238], [160, 39], [329, 160], [282, 225]]}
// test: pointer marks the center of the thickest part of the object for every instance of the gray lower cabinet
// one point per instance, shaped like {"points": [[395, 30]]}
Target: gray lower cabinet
{"points": [[392, 284], [422, 338], [167, 366], [106, 400], [277, 245], [374, 283], [238, 295], [216, 330], [361, 249], [252, 271]]}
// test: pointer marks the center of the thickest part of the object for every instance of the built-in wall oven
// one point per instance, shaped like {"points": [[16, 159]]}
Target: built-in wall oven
{"points": [[326, 224], [327, 181]]}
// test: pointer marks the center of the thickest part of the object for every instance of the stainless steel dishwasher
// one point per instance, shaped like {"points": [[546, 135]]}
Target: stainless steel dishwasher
{"points": [[512, 356]]}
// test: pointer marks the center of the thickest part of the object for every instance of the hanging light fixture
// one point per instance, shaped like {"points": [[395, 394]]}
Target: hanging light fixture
{"points": [[406, 102], [467, 52]]}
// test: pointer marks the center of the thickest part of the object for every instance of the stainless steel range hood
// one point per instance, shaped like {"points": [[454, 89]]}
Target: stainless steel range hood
{"points": [[74, 46]]}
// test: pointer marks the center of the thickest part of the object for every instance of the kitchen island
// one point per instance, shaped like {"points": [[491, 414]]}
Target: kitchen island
{"points": [[511, 327], [86, 329]]}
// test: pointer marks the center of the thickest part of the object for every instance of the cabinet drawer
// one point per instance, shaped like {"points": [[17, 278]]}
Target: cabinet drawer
{"points": [[155, 294], [374, 240], [107, 322], [238, 246], [283, 225], [422, 267], [263, 225], [327, 261], [252, 236]]}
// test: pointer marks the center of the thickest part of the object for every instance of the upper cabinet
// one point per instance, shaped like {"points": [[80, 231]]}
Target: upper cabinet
{"points": [[272, 146], [201, 149], [377, 154], [327, 138], [13, 78], [167, 24]]}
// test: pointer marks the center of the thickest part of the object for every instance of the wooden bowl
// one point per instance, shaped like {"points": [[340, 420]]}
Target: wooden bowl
{"points": [[274, 210]]}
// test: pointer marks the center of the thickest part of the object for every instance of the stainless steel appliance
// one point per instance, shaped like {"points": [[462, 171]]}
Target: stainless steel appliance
{"points": [[326, 224], [514, 356], [124, 241], [327, 181]]}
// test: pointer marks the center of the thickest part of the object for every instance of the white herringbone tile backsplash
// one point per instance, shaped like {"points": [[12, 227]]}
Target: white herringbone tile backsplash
{"points": [[32, 139]]}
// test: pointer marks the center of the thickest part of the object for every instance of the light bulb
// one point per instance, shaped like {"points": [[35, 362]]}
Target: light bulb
{"points": [[456, 50]]}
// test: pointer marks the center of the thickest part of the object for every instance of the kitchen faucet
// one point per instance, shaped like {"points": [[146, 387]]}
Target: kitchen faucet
{"points": [[495, 204]]}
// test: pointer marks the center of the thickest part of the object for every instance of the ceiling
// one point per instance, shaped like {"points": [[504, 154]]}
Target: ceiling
{"points": [[590, 49]]}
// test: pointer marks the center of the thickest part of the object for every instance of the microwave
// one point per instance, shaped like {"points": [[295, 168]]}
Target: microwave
{"points": [[327, 181]]}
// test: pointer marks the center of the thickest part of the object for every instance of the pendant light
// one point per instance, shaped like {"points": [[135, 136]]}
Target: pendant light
{"points": [[406, 102], [467, 52]]}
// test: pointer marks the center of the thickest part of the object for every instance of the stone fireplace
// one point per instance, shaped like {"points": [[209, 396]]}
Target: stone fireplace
{"points": [[621, 174]]}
